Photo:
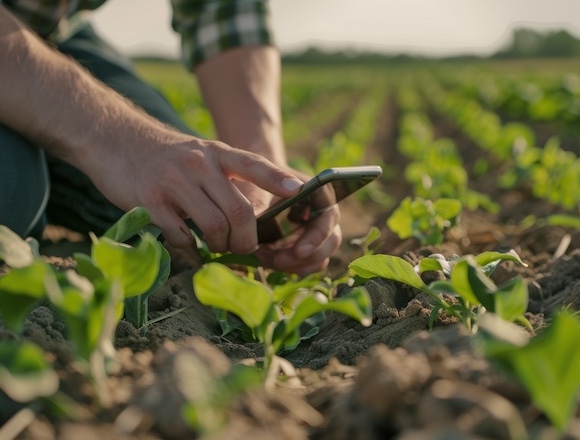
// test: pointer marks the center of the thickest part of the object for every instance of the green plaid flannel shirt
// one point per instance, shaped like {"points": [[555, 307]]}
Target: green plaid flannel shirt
{"points": [[207, 27]]}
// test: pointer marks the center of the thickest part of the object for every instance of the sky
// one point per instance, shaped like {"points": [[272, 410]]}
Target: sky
{"points": [[419, 27]]}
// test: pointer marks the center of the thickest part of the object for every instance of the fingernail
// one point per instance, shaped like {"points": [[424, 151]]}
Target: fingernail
{"points": [[291, 184]]}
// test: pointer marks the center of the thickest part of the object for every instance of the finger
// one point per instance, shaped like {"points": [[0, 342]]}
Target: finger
{"points": [[259, 198], [286, 260], [317, 233], [208, 216], [289, 259], [238, 212], [250, 167], [175, 231]]}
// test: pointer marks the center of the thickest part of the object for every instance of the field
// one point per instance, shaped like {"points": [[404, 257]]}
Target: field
{"points": [[481, 343]]}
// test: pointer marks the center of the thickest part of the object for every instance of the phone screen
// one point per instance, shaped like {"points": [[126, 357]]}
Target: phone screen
{"points": [[274, 228]]}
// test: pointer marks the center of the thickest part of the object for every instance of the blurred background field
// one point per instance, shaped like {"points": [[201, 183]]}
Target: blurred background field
{"points": [[436, 126]]}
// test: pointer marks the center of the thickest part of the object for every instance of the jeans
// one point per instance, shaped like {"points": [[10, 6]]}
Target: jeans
{"points": [[36, 188]]}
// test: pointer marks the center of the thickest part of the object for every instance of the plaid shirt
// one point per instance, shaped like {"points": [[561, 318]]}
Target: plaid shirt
{"points": [[207, 27]]}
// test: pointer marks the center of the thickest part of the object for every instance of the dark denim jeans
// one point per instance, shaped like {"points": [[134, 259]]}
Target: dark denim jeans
{"points": [[36, 188]]}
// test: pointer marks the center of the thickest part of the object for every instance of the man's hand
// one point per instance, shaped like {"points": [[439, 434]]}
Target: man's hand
{"points": [[193, 178], [311, 251], [309, 248]]}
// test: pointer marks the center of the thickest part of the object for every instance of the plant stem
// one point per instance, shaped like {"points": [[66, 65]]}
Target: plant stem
{"points": [[269, 350], [137, 311]]}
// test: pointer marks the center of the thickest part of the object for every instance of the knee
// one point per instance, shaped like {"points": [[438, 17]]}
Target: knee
{"points": [[25, 184]]}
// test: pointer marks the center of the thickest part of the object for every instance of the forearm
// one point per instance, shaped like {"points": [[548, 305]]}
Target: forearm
{"points": [[241, 88], [57, 105]]}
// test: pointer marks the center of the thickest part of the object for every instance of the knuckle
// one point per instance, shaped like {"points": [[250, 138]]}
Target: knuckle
{"points": [[195, 159], [240, 213], [243, 248], [216, 226]]}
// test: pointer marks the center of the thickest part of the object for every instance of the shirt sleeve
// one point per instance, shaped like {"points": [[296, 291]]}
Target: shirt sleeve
{"points": [[209, 27]]}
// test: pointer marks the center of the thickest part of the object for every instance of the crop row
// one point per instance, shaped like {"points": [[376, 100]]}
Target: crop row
{"points": [[435, 169], [551, 172], [554, 97]]}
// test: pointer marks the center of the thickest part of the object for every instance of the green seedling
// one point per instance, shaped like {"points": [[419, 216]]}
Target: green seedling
{"points": [[547, 365], [209, 397], [273, 315], [91, 311], [21, 290], [467, 281], [141, 269], [91, 299], [25, 374], [424, 219], [366, 242], [563, 220]]}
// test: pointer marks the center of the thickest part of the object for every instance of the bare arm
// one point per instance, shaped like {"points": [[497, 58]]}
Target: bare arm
{"points": [[132, 158], [249, 117]]}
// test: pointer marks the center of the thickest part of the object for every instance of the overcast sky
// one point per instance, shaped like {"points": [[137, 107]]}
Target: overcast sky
{"points": [[427, 27]]}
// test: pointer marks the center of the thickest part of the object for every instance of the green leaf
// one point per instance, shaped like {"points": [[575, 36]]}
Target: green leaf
{"points": [[389, 267], [88, 313], [365, 241], [511, 299], [434, 262], [136, 267], [20, 290], [356, 304], [283, 291], [401, 220], [129, 225], [163, 272], [13, 249], [442, 286], [563, 220], [469, 281], [24, 372], [548, 367], [449, 209], [489, 260], [87, 267], [137, 307], [137, 311], [218, 286]]}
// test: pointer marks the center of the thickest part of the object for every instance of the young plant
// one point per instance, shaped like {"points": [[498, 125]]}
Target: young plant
{"points": [[209, 397], [22, 288], [546, 364], [424, 219], [25, 374], [91, 301], [273, 315], [366, 242], [467, 280], [91, 312], [141, 269]]}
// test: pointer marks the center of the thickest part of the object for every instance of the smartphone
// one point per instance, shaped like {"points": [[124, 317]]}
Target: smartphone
{"points": [[314, 198]]}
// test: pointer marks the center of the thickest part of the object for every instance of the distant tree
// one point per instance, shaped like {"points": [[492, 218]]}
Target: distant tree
{"points": [[530, 43]]}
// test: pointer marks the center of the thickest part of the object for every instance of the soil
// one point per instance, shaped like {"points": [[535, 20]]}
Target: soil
{"points": [[392, 380]]}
